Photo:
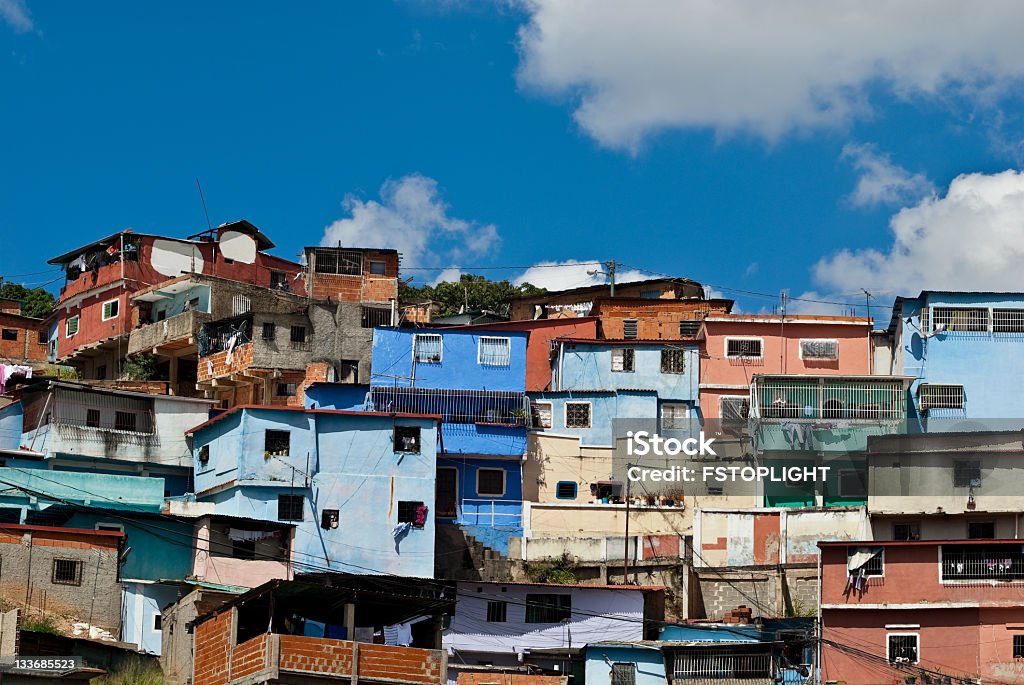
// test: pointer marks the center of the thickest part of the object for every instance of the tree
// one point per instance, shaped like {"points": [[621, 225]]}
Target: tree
{"points": [[468, 293], [34, 301]]}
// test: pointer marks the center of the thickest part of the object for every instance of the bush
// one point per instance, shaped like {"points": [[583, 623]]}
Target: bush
{"points": [[136, 671], [44, 624]]}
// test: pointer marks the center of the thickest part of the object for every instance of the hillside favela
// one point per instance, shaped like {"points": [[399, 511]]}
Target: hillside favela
{"points": [[237, 468]]}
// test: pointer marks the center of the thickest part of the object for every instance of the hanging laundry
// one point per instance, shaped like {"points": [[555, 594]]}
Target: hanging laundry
{"points": [[246, 535], [336, 632], [421, 515], [313, 628], [400, 531], [399, 635]]}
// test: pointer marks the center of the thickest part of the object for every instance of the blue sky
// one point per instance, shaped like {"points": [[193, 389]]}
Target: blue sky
{"points": [[755, 152]]}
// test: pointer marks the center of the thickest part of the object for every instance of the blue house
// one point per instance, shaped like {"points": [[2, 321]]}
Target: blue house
{"points": [[962, 348], [475, 380], [358, 486]]}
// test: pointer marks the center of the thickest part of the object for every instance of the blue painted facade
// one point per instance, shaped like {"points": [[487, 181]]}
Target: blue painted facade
{"points": [[335, 396], [141, 603], [161, 548], [588, 366], [334, 462], [605, 407], [980, 361], [122, 493], [11, 420], [195, 298], [475, 380]]}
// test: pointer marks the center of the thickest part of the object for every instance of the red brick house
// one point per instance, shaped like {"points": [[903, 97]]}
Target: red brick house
{"points": [[23, 339]]}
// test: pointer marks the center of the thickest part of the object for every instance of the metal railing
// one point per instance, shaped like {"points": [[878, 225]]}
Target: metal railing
{"points": [[722, 665], [483, 512], [827, 399], [984, 563], [454, 406]]}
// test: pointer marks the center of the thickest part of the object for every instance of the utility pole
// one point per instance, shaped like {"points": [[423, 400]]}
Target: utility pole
{"points": [[625, 546], [871, 352], [610, 266]]}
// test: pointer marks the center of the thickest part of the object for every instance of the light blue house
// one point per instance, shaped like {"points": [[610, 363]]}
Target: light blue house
{"points": [[476, 380], [358, 486], [963, 349]]}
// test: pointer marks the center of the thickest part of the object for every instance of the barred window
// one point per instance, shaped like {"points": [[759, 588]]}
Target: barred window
{"points": [[903, 648], [673, 361], [971, 319], [289, 508], [577, 414], [623, 674], [541, 414], [375, 316], [629, 329], [240, 304], [125, 421], [548, 608], [494, 351], [67, 572], [623, 359], [339, 262], [497, 611], [427, 348], [269, 330], [1008, 320], [819, 350], [743, 347], [930, 396], [1018, 646]]}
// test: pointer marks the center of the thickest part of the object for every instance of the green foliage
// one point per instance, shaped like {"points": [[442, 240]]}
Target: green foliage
{"points": [[469, 292], [43, 624], [141, 367], [562, 571], [34, 301], [137, 671]]}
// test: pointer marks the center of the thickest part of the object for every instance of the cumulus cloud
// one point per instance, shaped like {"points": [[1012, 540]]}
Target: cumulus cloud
{"points": [[573, 274], [882, 182], [412, 218], [767, 68], [15, 14], [970, 239], [450, 275]]}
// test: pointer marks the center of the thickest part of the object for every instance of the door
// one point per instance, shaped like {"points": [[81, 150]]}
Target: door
{"points": [[447, 493]]}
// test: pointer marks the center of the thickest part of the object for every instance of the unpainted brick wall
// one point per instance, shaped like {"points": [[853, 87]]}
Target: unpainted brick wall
{"points": [[656, 319], [241, 359], [478, 678], [212, 650], [26, 348]]}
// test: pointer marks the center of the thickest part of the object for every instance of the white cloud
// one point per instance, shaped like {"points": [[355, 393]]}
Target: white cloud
{"points": [[573, 274], [16, 15], [970, 239], [882, 182], [412, 218], [450, 275], [768, 68]]}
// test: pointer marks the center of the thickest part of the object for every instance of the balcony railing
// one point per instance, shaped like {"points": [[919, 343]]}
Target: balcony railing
{"points": [[827, 399], [705, 664], [454, 406], [983, 563]]}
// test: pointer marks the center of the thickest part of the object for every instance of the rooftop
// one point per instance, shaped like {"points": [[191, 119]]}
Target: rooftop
{"points": [[339, 412]]}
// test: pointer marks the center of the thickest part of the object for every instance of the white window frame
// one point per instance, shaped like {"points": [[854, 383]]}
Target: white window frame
{"points": [[881, 556], [818, 340], [916, 636], [745, 398], [565, 415], [440, 340], [622, 351], [685, 417], [103, 311], [551, 413], [729, 339], [77, 318], [925, 406], [839, 488], [493, 338], [504, 482]]}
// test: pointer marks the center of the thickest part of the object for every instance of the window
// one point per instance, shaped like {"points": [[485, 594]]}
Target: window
{"points": [[736, 348], [902, 648], [286, 389], [330, 519], [269, 330], [10, 334], [623, 674], [204, 454], [67, 572], [931, 396], [43, 338], [279, 280], [158, 622], [71, 326], [110, 527], [674, 416], [407, 439], [243, 549], [629, 328], [497, 611], [240, 305], [110, 309], [548, 608], [412, 512], [289, 507], [819, 350], [378, 268], [298, 334], [490, 482], [340, 262], [906, 531], [375, 316], [577, 414], [540, 413], [125, 421], [276, 443], [688, 329], [981, 530], [101, 372], [832, 409], [875, 566], [734, 412], [673, 361], [1018, 646], [565, 489], [493, 351], [1008, 320], [426, 348], [92, 418], [966, 474], [970, 319], [622, 359], [851, 483], [348, 371]]}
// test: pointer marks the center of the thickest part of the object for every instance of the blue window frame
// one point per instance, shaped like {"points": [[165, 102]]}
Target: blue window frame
{"points": [[565, 489]]}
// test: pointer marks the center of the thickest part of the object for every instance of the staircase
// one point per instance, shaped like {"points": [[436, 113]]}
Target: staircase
{"points": [[460, 556]]}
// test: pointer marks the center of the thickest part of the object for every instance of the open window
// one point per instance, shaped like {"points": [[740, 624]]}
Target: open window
{"points": [[622, 359], [276, 443], [413, 512], [902, 648], [407, 439]]}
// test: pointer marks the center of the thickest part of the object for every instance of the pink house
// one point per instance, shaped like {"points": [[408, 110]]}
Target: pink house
{"points": [[736, 347], [922, 611]]}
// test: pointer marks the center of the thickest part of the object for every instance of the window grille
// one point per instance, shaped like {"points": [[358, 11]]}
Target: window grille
{"points": [[930, 396], [455, 406], [875, 566], [903, 648], [906, 531], [674, 416], [623, 359], [67, 572], [412, 512], [566, 489], [966, 474], [1018, 646], [577, 415], [734, 412], [375, 316], [269, 331], [982, 562], [298, 339], [427, 348], [967, 319], [819, 350], [688, 329], [497, 611], [629, 329], [740, 347], [126, 421], [105, 412], [623, 674], [1008, 320], [548, 608], [338, 262], [240, 304], [289, 507], [493, 351], [540, 414], [673, 361], [718, 664], [279, 280]]}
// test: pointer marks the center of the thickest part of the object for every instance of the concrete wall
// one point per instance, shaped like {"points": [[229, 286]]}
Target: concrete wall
{"points": [[946, 527], [142, 603], [650, 663], [588, 366], [769, 591], [159, 546], [605, 408], [212, 560]]}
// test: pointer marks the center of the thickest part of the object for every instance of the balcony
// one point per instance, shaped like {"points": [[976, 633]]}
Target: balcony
{"points": [[454, 406], [987, 563], [178, 332]]}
